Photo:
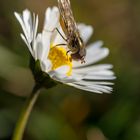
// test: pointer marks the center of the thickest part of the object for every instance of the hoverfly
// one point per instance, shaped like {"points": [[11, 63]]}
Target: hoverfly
{"points": [[74, 41]]}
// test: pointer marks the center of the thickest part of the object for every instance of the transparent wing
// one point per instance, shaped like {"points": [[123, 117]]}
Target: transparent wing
{"points": [[67, 18]]}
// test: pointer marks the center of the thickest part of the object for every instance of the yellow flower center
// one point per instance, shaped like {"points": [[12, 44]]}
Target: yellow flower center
{"points": [[59, 57]]}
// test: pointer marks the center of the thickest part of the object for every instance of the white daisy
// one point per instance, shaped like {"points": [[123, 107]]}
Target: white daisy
{"points": [[57, 63]]}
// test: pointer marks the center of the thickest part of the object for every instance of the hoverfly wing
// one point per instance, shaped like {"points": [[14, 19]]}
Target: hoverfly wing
{"points": [[66, 18]]}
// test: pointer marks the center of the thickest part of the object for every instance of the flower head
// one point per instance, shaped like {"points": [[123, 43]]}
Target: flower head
{"points": [[54, 60]]}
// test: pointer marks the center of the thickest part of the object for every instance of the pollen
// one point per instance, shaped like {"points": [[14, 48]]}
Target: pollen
{"points": [[59, 57]]}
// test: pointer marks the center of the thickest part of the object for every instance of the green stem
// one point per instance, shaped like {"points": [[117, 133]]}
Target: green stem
{"points": [[21, 124]]}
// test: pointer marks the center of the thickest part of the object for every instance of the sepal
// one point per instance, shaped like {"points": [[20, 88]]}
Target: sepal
{"points": [[41, 78]]}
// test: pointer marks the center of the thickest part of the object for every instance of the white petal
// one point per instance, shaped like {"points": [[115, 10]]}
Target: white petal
{"points": [[61, 70], [90, 83], [60, 75], [99, 72], [64, 78], [29, 28], [102, 72], [97, 45], [94, 54], [35, 27], [46, 40], [85, 32], [20, 19], [93, 77], [52, 22], [51, 19], [46, 65], [85, 88], [27, 43], [93, 88], [42, 46], [100, 67], [104, 89], [99, 77], [38, 47], [27, 19]]}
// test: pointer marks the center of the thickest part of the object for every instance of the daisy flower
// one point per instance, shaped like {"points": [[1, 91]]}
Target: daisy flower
{"points": [[55, 63]]}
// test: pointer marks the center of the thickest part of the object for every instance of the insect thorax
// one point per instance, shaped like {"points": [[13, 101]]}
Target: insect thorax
{"points": [[75, 43]]}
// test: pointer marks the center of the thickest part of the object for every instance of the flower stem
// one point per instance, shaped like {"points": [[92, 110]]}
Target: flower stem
{"points": [[21, 123]]}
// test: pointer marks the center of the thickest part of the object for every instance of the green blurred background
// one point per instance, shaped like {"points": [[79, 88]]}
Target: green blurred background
{"points": [[74, 115]]}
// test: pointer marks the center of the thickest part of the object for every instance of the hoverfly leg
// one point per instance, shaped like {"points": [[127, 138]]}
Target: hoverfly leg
{"points": [[68, 56], [68, 52], [60, 34], [60, 45], [83, 60], [53, 31]]}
